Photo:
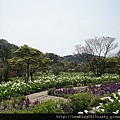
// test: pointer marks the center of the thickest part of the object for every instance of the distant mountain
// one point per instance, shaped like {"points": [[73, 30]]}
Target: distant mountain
{"points": [[53, 57], [56, 58], [70, 58]]}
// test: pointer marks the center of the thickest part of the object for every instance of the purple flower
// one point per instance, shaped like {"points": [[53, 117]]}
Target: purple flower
{"points": [[93, 91], [27, 102], [64, 91], [60, 91], [102, 93], [56, 91], [36, 102], [72, 91]]}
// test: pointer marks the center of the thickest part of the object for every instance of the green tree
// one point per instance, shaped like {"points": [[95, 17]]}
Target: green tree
{"points": [[30, 59], [111, 65]]}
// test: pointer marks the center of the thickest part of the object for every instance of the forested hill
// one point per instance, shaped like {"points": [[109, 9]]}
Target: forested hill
{"points": [[67, 58], [56, 58], [4, 43]]}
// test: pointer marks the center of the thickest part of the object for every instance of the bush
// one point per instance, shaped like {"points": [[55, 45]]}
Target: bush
{"points": [[64, 105], [13, 103], [48, 107], [95, 102], [51, 91], [80, 101]]}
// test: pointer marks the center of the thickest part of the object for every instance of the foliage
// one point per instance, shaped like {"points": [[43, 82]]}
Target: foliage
{"points": [[80, 101], [112, 65], [51, 91], [6, 52], [110, 106], [47, 107], [30, 59], [95, 101], [13, 103]]}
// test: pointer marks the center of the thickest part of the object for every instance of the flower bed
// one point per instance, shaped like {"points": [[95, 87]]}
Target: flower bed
{"points": [[19, 103], [18, 87], [98, 90]]}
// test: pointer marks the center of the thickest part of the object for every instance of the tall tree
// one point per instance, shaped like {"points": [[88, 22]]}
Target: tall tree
{"points": [[99, 49], [29, 58]]}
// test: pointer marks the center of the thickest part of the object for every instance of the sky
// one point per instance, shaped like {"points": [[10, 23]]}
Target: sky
{"points": [[57, 26]]}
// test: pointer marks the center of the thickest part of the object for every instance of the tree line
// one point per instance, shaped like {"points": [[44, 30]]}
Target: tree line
{"points": [[26, 61]]}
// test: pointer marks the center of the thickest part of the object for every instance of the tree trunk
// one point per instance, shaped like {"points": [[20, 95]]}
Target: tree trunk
{"points": [[27, 71]]}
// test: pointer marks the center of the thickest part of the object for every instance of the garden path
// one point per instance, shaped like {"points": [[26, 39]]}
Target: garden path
{"points": [[42, 96]]}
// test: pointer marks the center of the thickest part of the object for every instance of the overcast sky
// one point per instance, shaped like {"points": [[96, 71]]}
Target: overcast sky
{"points": [[56, 26]]}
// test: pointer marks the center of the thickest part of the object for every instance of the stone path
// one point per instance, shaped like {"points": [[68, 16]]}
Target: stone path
{"points": [[42, 96]]}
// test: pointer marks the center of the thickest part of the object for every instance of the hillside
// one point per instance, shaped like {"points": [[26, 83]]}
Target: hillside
{"points": [[68, 58], [5, 43]]}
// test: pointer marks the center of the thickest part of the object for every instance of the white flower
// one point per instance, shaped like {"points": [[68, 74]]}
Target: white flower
{"points": [[111, 100], [80, 112], [114, 95], [119, 101], [101, 104], [86, 111], [98, 107], [94, 108], [106, 104], [102, 110], [108, 98], [102, 98], [119, 92], [116, 112]]}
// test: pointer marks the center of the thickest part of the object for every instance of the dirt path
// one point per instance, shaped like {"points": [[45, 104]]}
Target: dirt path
{"points": [[42, 96]]}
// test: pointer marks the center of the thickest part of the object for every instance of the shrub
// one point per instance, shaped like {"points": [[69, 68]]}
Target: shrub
{"points": [[48, 107], [51, 91], [80, 101], [95, 102], [64, 105]]}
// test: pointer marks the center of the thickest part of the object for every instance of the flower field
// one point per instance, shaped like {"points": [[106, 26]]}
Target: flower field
{"points": [[18, 87], [103, 92], [96, 90]]}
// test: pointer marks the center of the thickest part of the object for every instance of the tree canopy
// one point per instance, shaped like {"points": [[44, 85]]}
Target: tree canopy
{"points": [[29, 58], [99, 49]]}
